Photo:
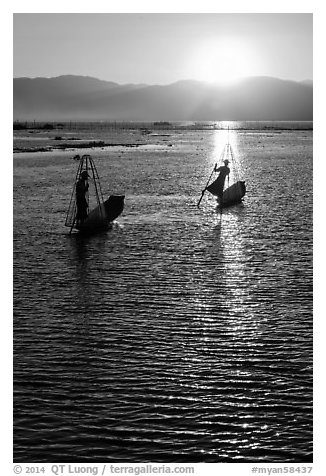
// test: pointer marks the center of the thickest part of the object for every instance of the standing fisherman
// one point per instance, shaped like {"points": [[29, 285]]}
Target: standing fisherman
{"points": [[217, 187], [81, 200]]}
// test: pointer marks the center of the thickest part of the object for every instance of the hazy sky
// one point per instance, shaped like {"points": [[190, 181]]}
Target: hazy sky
{"points": [[164, 47]]}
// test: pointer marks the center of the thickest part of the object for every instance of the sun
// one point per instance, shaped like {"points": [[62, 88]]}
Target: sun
{"points": [[223, 61]]}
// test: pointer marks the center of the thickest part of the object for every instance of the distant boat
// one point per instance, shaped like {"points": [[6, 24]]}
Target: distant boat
{"points": [[102, 213], [232, 194]]}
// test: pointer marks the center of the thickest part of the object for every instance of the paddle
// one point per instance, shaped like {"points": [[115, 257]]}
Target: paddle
{"points": [[202, 194]]}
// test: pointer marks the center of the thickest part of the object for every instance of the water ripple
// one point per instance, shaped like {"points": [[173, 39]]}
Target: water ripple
{"points": [[180, 335]]}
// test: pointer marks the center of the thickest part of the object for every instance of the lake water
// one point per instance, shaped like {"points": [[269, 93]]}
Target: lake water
{"points": [[180, 335]]}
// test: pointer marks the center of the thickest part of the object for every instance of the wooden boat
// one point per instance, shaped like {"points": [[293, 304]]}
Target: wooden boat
{"points": [[102, 212], [101, 217], [232, 194]]}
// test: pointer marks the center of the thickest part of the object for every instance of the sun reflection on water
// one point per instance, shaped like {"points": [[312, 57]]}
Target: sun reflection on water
{"points": [[225, 308], [223, 136]]}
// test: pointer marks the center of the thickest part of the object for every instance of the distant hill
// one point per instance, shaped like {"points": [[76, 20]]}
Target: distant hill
{"points": [[85, 98], [307, 82]]}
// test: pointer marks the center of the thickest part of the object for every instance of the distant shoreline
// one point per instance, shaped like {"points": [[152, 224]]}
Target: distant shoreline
{"points": [[53, 136], [164, 125], [62, 147]]}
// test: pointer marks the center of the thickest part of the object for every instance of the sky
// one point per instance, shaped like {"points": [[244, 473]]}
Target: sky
{"points": [[161, 48]]}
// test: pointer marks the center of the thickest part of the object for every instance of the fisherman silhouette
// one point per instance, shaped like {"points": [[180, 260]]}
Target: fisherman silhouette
{"points": [[217, 187], [81, 201]]}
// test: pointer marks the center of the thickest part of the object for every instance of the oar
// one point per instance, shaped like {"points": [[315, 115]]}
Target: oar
{"points": [[202, 194]]}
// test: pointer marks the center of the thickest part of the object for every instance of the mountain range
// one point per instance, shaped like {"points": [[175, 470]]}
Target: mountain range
{"points": [[85, 98]]}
